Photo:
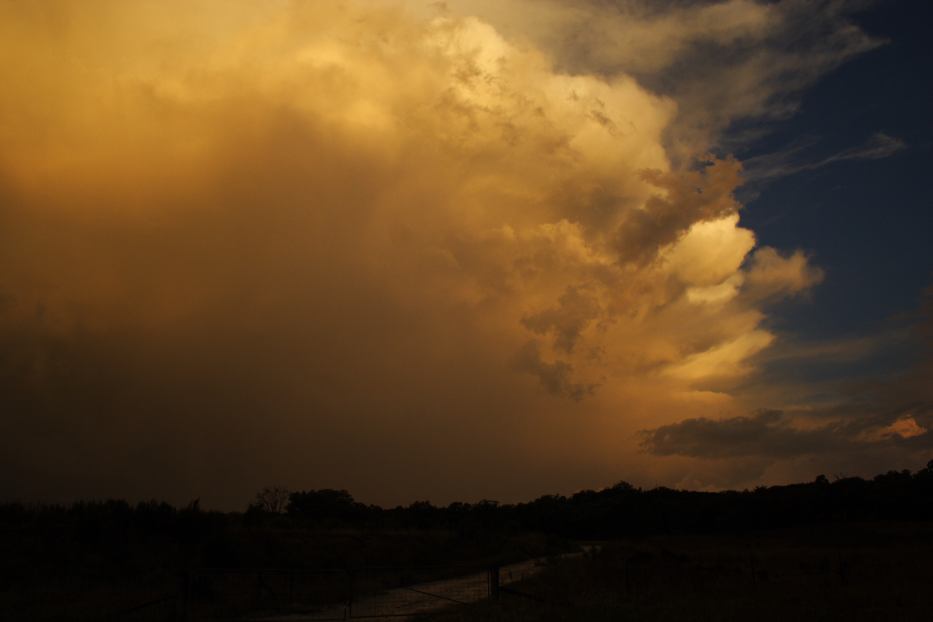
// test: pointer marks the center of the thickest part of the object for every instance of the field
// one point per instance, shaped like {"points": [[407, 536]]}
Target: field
{"points": [[848, 549], [875, 571], [60, 567]]}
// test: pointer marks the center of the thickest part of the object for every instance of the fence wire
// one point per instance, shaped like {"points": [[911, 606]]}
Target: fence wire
{"points": [[325, 595]]}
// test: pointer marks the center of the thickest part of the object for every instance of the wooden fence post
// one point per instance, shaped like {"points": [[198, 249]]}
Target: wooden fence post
{"points": [[350, 587], [186, 595]]}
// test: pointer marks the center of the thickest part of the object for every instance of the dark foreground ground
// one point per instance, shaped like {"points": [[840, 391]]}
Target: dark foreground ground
{"points": [[211, 567], [856, 571], [871, 572], [850, 549]]}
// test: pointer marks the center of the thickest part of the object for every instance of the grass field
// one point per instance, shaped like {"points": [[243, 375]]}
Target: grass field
{"points": [[870, 572], [53, 573]]}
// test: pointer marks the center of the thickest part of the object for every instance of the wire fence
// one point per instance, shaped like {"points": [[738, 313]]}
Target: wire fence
{"points": [[331, 595], [770, 578], [642, 579], [263, 594]]}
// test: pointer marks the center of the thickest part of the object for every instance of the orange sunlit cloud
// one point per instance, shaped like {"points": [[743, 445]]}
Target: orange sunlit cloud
{"points": [[400, 249]]}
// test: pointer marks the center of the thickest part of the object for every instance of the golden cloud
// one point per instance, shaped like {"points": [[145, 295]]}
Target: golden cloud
{"points": [[318, 241]]}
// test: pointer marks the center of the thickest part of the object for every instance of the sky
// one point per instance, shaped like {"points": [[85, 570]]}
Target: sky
{"points": [[461, 250]]}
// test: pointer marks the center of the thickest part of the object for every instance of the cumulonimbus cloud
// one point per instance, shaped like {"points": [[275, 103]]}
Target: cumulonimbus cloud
{"points": [[316, 241]]}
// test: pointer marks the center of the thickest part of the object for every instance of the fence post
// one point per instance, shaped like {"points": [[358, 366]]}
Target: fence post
{"points": [[186, 595], [350, 586], [494, 582]]}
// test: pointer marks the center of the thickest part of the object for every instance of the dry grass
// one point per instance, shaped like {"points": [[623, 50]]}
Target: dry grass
{"points": [[869, 572]]}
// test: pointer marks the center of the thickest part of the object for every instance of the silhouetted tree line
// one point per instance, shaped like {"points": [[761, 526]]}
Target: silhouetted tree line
{"points": [[626, 510], [621, 510]]}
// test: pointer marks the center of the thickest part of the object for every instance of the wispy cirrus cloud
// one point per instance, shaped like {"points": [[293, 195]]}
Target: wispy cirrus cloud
{"points": [[797, 158]]}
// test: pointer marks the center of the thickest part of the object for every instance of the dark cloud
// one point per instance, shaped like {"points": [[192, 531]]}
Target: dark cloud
{"points": [[690, 197], [556, 376], [576, 309], [770, 434], [766, 433]]}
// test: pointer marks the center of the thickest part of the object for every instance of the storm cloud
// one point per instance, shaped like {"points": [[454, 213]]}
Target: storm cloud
{"points": [[765, 433], [385, 246]]}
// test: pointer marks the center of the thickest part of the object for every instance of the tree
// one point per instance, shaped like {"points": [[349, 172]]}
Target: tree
{"points": [[273, 500]]}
